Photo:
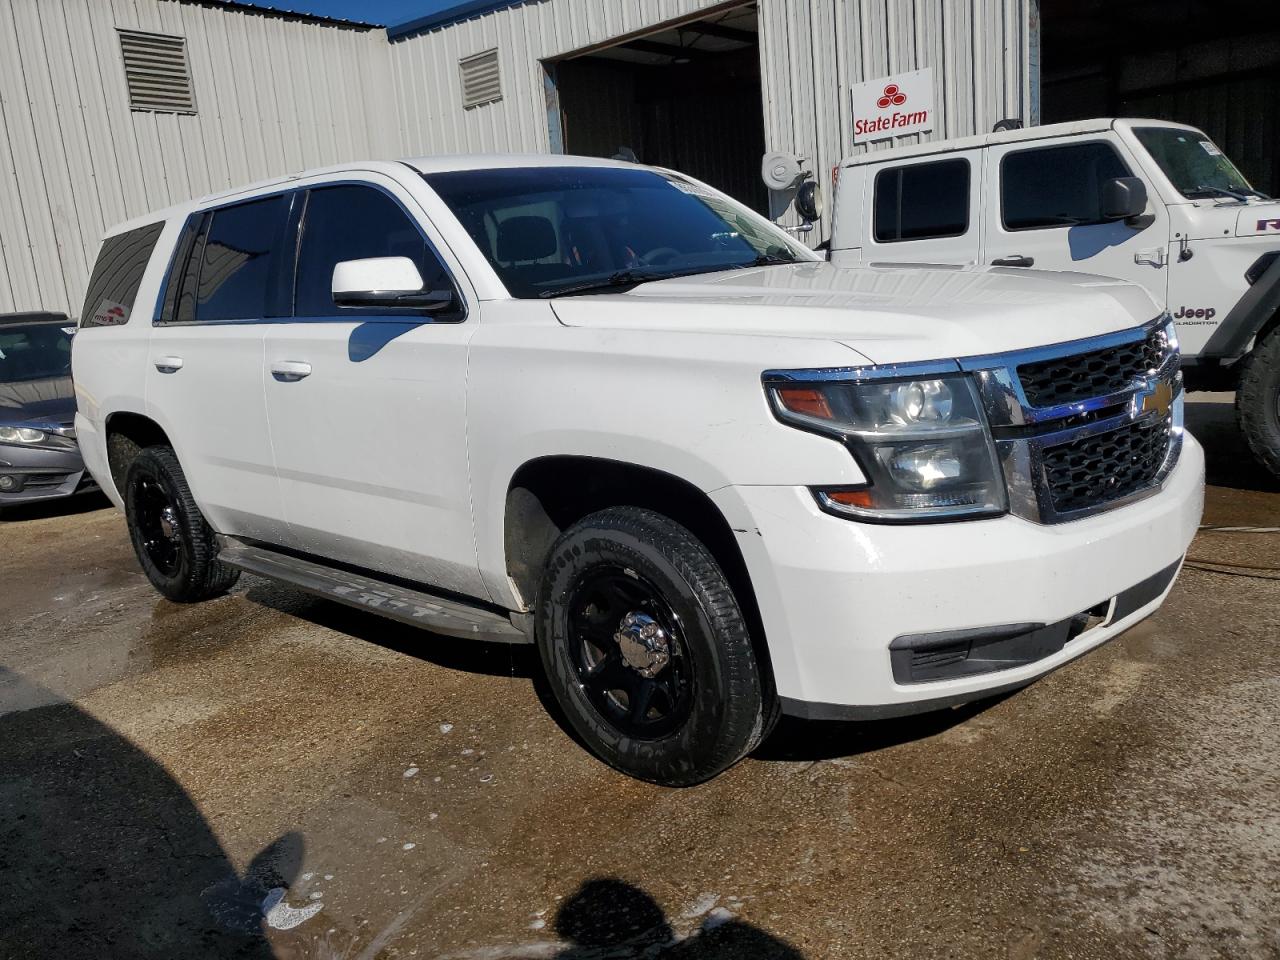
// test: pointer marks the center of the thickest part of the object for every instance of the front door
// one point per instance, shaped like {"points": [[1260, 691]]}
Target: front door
{"points": [[368, 407], [205, 369], [1044, 210]]}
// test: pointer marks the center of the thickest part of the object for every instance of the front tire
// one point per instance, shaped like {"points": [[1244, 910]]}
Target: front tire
{"points": [[646, 649], [1258, 402], [175, 546]]}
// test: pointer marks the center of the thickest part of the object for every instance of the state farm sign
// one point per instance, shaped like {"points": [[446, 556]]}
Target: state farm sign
{"points": [[893, 106]]}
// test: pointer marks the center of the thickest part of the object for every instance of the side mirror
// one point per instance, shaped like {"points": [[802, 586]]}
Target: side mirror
{"points": [[1123, 198], [392, 282], [809, 201]]}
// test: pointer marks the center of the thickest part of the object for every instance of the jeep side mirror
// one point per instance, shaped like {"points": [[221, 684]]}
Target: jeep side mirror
{"points": [[1123, 198], [391, 282], [809, 201]]}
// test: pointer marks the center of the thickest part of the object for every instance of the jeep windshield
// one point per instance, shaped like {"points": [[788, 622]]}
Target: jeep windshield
{"points": [[1194, 163], [555, 231], [37, 351]]}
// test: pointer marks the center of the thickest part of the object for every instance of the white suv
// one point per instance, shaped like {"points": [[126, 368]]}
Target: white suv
{"points": [[608, 410]]}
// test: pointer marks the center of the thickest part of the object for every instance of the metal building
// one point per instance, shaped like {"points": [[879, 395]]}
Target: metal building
{"points": [[111, 108]]}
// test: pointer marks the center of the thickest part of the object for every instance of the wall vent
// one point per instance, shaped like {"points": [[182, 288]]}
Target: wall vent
{"points": [[481, 82], [157, 72]]}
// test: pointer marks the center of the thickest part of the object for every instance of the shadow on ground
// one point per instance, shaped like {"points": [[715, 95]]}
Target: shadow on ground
{"points": [[102, 853], [612, 918], [1228, 461], [62, 507]]}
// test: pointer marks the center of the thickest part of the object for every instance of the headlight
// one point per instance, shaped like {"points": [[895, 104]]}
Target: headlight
{"points": [[922, 442], [21, 435]]}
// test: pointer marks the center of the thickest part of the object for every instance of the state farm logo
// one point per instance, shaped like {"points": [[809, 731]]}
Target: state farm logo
{"points": [[895, 106], [892, 97]]}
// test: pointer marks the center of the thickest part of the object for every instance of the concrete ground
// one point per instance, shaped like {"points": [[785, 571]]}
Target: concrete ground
{"points": [[269, 775]]}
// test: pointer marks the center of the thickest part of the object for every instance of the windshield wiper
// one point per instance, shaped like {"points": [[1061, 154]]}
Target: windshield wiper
{"points": [[1221, 192], [767, 260], [628, 279]]}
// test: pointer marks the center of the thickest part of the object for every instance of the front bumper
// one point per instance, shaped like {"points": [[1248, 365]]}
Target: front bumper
{"points": [[835, 594], [41, 473]]}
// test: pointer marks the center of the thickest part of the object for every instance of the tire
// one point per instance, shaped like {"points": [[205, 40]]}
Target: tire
{"points": [[619, 572], [1258, 402], [174, 544]]}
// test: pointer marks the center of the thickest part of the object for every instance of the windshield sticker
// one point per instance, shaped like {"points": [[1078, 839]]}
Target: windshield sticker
{"points": [[69, 331], [110, 314], [1210, 149]]}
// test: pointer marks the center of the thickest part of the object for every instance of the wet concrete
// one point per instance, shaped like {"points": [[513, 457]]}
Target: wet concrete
{"points": [[268, 775]]}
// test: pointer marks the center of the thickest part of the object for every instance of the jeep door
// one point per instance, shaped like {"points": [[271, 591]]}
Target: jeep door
{"points": [[1044, 210], [923, 210], [204, 376], [368, 404]]}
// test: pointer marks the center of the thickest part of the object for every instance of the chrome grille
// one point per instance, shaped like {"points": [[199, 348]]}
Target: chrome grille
{"points": [[1097, 469], [1096, 373], [1085, 426]]}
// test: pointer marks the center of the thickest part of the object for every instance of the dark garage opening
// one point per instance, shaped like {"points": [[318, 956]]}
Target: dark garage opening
{"points": [[1214, 64], [686, 97]]}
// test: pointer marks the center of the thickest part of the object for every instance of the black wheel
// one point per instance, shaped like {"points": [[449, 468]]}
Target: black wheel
{"points": [[1258, 402], [173, 542], [646, 649]]}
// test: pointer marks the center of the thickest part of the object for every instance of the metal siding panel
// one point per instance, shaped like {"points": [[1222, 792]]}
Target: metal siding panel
{"points": [[40, 205]]}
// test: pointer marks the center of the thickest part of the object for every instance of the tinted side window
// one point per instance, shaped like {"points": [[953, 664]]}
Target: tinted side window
{"points": [[353, 222], [241, 260], [1056, 186], [922, 200], [117, 274]]}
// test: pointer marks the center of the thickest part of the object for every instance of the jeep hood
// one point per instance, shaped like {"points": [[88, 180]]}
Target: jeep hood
{"points": [[888, 315]]}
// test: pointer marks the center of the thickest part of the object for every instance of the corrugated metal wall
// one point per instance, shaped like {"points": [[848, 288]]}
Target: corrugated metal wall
{"points": [[814, 51], [811, 51], [429, 89], [276, 94], [273, 95]]}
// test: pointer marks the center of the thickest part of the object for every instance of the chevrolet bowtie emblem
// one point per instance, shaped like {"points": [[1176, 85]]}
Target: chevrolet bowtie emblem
{"points": [[1159, 400]]}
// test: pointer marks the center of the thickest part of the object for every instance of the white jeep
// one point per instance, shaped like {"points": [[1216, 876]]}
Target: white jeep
{"points": [[1147, 201], [607, 410]]}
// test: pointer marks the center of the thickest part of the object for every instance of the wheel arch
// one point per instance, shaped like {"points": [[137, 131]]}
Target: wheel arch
{"points": [[126, 434], [548, 494]]}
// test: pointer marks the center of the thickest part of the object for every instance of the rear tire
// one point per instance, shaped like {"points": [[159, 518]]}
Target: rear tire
{"points": [[175, 546], [647, 651], [1258, 402]]}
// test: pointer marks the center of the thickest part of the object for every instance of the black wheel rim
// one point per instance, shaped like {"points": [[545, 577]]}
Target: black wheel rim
{"points": [[629, 652], [157, 518]]}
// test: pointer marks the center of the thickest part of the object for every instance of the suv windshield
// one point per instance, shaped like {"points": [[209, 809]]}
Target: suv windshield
{"points": [[38, 351], [1193, 163], [558, 230]]}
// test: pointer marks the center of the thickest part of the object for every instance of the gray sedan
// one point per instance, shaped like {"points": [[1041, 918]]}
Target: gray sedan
{"points": [[39, 457]]}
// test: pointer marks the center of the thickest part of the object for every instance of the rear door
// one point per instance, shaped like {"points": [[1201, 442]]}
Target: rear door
{"points": [[205, 370], [1043, 210], [368, 405], [924, 210]]}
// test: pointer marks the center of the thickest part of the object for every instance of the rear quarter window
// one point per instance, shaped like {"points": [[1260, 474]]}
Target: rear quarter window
{"points": [[922, 201], [117, 274]]}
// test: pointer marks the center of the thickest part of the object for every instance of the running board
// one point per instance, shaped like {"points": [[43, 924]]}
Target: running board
{"points": [[449, 617]]}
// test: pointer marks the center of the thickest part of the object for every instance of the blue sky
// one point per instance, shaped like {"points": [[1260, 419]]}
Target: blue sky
{"points": [[370, 11]]}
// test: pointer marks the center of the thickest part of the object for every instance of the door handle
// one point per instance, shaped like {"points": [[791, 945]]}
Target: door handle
{"points": [[290, 371], [1017, 260], [168, 364]]}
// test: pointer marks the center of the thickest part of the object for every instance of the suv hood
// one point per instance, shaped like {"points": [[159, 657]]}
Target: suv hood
{"points": [[889, 315]]}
